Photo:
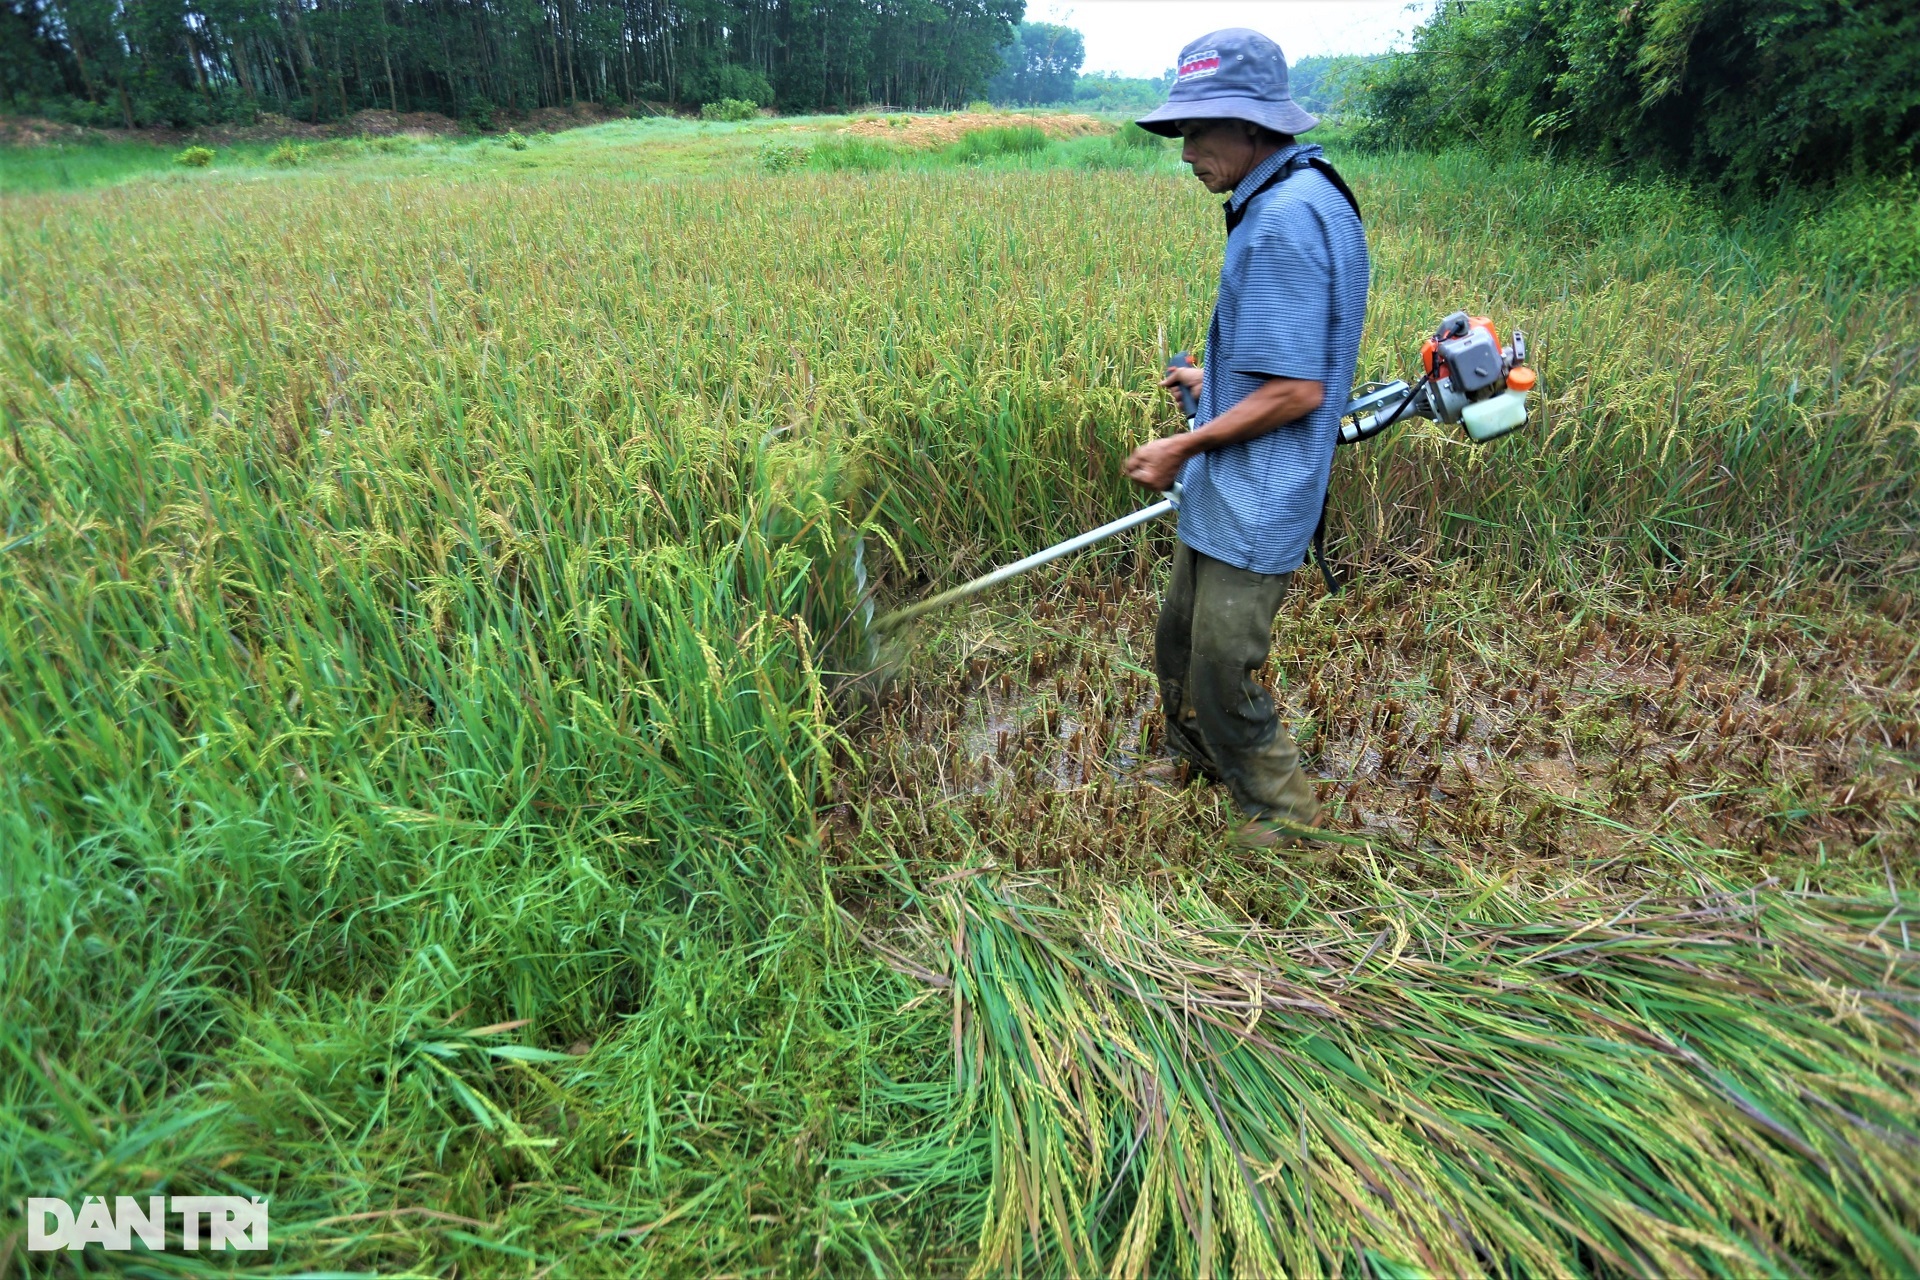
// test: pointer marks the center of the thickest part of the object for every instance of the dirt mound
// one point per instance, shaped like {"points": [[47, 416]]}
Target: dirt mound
{"points": [[31, 131], [387, 124], [939, 131], [555, 119]]}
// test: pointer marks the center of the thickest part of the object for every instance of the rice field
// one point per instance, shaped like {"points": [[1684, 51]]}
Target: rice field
{"points": [[439, 793]]}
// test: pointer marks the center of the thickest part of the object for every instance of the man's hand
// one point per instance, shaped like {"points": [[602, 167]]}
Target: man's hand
{"points": [[1189, 377], [1156, 464], [1276, 402]]}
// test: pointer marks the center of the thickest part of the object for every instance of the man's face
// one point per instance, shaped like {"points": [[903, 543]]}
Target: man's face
{"points": [[1220, 152]]}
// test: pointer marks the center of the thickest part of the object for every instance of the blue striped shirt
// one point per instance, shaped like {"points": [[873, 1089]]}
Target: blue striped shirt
{"points": [[1293, 293]]}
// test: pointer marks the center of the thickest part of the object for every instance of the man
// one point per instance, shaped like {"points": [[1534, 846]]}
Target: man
{"points": [[1279, 363]]}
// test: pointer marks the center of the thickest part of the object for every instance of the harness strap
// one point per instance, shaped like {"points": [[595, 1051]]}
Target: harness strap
{"points": [[1334, 582]]}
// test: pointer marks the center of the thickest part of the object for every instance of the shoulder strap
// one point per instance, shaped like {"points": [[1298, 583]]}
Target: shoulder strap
{"points": [[1332, 175], [1274, 179]]}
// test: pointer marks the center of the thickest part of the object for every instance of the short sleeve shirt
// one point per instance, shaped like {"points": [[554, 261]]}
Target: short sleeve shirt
{"points": [[1293, 294]]}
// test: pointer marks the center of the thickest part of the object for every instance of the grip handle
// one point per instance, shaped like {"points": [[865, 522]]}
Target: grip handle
{"points": [[1189, 403]]}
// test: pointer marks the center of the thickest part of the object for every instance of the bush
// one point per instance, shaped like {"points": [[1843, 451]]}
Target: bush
{"points": [[195, 158], [289, 154], [1569, 206], [476, 114], [514, 140], [779, 157], [92, 115], [730, 80], [729, 109]]}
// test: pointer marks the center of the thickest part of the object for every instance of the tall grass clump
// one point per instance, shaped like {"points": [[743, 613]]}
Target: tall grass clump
{"points": [[1004, 140], [858, 155]]}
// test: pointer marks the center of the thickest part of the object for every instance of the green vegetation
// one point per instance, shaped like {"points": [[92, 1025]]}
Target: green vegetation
{"points": [[1872, 228], [1040, 65], [1331, 87], [1752, 96], [1119, 95], [430, 795], [649, 148], [131, 66], [56, 168], [779, 157], [194, 157], [1252, 1094], [1022, 147]]}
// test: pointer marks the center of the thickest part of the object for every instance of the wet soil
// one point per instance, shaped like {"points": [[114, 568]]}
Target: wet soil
{"points": [[1435, 716]]}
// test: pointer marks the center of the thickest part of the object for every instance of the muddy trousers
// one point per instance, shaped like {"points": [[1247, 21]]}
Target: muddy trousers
{"points": [[1215, 630]]}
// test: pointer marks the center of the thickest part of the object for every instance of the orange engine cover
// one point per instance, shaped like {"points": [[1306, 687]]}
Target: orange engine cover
{"points": [[1428, 347]]}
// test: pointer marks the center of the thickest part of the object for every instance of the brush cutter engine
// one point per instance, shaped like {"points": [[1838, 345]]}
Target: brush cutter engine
{"points": [[1469, 379]]}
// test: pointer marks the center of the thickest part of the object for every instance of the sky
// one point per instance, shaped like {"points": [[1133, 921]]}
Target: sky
{"points": [[1142, 37]]}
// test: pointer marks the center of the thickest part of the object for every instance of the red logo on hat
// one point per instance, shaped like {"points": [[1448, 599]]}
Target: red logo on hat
{"points": [[1199, 66]]}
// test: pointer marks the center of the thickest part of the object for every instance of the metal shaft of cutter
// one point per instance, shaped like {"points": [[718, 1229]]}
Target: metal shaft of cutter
{"points": [[1164, 507]]}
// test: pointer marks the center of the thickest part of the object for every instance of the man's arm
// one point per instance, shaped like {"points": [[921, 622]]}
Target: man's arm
{"points": [[1276, 402]]}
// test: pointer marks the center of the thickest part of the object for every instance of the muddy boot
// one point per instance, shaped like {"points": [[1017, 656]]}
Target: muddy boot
{"points": [[1186, 750], [1269, 785], [1268, 833]]}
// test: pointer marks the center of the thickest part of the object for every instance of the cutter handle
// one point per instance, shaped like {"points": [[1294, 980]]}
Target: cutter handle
{"points": [[1189, 403]]}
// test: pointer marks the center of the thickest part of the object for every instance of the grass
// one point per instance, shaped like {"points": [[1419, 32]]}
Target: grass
{"points": [[28, 170], [425, 799], [652, 147]]}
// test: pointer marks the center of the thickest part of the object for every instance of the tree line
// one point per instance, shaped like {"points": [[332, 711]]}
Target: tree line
{"points": [[1747, 95], [135, 63]]}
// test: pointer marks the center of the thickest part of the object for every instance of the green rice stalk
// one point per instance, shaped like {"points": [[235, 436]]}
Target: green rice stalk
{"points": [[1720, 1085]]}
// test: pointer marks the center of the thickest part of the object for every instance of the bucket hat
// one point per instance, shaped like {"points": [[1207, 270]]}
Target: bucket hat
{"points": [[1235, 74]]}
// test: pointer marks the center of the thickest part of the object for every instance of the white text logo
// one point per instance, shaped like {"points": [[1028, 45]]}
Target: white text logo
{"points": [[212, 1222]]}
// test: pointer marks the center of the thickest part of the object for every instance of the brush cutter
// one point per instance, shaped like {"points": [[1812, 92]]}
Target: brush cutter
{"points": [[1468, 379]]}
